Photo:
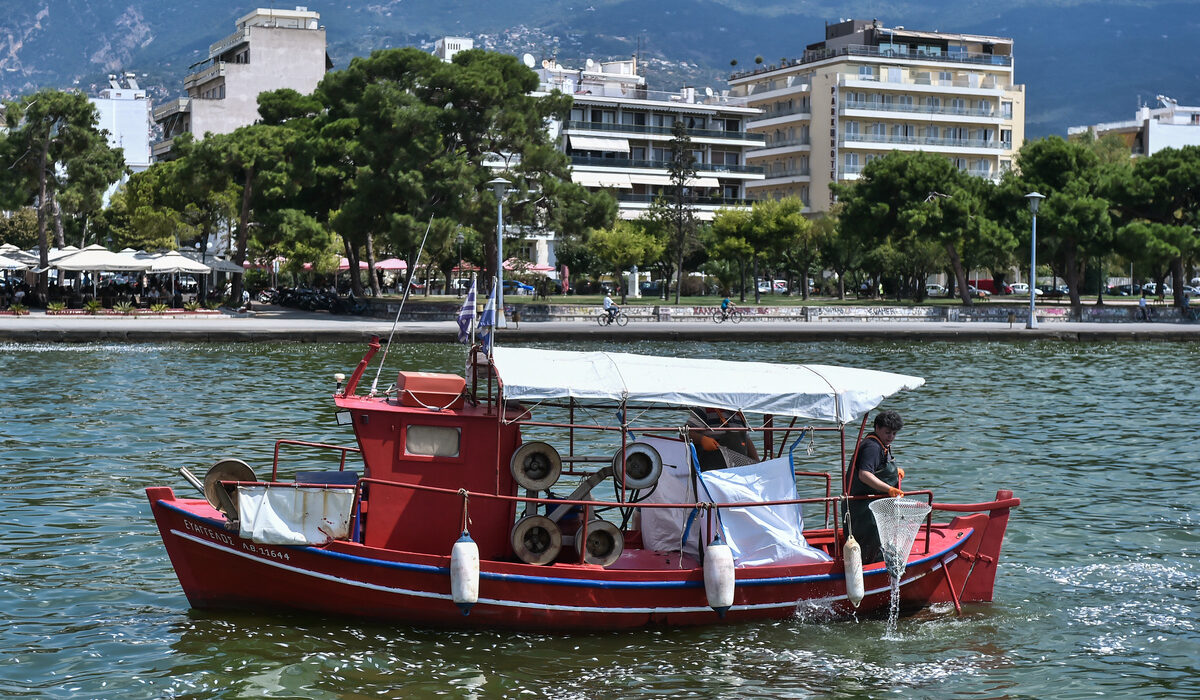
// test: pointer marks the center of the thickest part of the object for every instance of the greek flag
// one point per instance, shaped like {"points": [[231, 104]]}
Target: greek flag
{"points": [[487, 322], [466, 316]]}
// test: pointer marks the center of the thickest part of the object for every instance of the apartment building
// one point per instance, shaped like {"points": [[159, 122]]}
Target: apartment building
{"points": [[271, 49], [124, 113], [618, 136], [1151, 130], [867, 90]]}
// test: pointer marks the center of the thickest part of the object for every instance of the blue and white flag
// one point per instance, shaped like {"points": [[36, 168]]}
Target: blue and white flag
{"points": [[487, 323], [466, 316]]}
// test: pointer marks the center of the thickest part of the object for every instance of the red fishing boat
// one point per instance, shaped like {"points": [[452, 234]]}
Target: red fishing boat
{"points": [[445, 514]]}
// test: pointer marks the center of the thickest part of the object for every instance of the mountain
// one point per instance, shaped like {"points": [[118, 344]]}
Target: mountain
{"points": [[1082, 61]]}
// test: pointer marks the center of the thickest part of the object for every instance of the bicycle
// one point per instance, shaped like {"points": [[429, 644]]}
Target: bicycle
{"points": [[730, 314], [619, 318]]}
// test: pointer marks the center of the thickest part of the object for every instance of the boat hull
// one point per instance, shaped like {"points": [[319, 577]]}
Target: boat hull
{"points": [[220, 570]]}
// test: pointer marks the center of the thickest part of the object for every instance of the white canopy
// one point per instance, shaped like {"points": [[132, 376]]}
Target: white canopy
{"points": [[97, 257], [10, 264], [817, 392], [172, 261]]}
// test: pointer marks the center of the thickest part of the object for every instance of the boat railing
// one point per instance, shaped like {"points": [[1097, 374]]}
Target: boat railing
{"points": [[342, 449], [708, 508]]}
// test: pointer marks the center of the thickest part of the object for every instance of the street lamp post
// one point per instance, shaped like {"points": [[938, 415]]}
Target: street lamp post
{"points": [[458, 287], [500, 187], [1035, 199]]}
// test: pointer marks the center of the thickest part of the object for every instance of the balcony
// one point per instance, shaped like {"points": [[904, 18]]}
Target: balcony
{"points": [[176, 106], [159, 149], [916, 109], [240, 36], [805, 110], [813, 56], [772, 174], [781, 143], [635, 92], [845, 139], [213, 72], [662, 130], [709, 201], [661, 165]]}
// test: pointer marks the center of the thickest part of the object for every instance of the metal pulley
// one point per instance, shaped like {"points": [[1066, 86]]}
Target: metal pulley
{"points": [[603, 544], [536, 539], [643, 466], [536, 466]]}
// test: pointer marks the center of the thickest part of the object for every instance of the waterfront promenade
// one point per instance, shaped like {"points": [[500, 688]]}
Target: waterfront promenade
{"points": [[267, 324]]}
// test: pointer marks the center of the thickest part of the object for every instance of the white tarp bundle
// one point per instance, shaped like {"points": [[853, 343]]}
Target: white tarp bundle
{"points": [[294, 515], [758, 535], [761, 535], [816, 392]]}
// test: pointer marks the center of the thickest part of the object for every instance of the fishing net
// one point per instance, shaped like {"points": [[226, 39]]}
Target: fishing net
{"points": [[898, 521]]}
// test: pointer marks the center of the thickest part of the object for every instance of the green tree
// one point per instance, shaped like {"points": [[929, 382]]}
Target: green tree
{"points": [[52, 138], [729, 239], [909, 199], [19, 228], [1074, 222], [1159, 204], [678, 210], [623, 246]]}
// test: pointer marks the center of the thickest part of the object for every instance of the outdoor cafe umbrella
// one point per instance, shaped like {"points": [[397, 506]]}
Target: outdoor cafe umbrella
{"points": [[97, 258], [173, 263], [11, 264]]}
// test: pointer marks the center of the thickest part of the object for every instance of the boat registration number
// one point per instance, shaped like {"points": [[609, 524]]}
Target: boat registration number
{"points": [[266, 552]]}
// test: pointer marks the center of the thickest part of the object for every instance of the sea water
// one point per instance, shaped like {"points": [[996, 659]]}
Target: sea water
{"points": [[1096, 592]]}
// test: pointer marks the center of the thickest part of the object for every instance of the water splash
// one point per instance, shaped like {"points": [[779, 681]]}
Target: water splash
{"points": [[890, 633]]}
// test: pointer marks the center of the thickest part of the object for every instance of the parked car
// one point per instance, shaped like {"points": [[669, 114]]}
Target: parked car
{"points": [[1124, 290], [517, 287], [978, 293], [935, 290], [1023, 289], [1051, 292], [1152, 289]]}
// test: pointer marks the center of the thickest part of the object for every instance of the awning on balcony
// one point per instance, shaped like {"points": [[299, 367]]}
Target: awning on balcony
{"points": [[594, 143], [664, 180], [590, 179]]}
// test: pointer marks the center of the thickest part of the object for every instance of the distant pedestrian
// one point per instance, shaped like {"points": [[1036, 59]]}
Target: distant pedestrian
{"points": [[1143, 310]]}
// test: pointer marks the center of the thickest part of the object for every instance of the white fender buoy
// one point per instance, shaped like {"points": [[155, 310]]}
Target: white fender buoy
{"points": [[852, 558], [718, 575], [464, 573]]}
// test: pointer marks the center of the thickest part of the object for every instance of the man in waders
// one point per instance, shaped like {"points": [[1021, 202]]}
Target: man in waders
{"points": [[874, 473]]}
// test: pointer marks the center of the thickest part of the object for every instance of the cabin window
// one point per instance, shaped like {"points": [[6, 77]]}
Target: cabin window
{"points": [[431, 441]]}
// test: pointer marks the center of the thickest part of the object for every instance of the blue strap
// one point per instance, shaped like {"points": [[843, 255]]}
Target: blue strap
{"points": [[700, 480], [792, 449]]}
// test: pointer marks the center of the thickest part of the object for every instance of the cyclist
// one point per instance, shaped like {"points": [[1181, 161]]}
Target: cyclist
{"points": [[726, 306], [609, 307]]}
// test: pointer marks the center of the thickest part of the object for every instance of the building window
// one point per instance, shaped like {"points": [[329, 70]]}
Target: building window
{"points": [[945, 77], [1006, 137], [866, 73], [905, 101], [959, 105], [851, 128], [851, 161], [1006, 110]]}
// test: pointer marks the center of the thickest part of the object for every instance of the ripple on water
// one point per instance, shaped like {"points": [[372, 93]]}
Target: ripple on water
{"points": [[1096, 590]]}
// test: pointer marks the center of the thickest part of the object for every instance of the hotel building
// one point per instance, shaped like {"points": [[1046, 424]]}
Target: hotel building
{"points": [[867, 90], [618, 136]]}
